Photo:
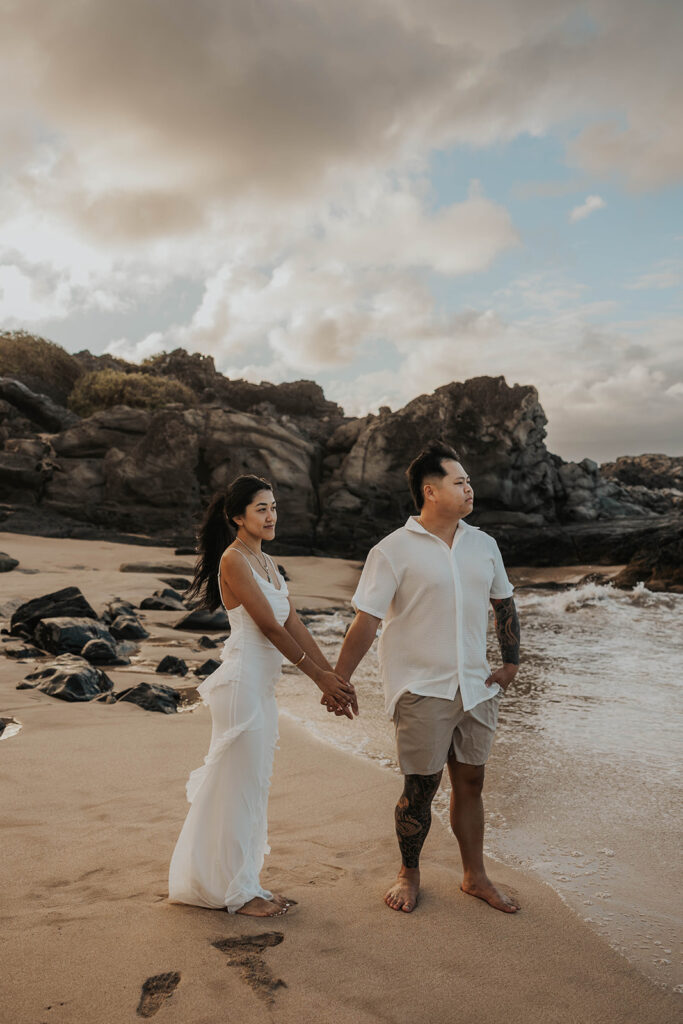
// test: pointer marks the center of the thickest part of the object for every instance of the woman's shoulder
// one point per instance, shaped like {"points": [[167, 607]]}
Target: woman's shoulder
{"points": [[232, 560]]}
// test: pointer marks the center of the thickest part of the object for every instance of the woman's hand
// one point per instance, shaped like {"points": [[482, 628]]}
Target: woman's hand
{"points": [[338, 693]]}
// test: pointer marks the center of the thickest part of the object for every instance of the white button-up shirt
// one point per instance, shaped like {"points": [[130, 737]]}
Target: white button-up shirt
{"points": [[434, 603]]}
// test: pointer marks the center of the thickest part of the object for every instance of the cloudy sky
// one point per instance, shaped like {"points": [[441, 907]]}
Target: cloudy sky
{"points": [[380, 195]]}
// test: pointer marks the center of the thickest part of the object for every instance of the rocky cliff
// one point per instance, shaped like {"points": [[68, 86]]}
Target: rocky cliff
{"points": [[340, 481]]}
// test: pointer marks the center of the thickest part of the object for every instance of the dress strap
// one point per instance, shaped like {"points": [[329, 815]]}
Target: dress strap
{"points": [[257, 574]]}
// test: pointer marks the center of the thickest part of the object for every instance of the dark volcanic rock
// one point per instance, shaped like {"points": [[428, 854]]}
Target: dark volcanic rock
{"points": [[152, 697], [202, 619], [498, 432], [128, 627], [207, 667], [68, 602], [117, 607], [120, 427], [69, 678], [164, 600], [65, 635], [174, 666], [155, 567], [340, 482], [7, 563], [206, 642], [653, 471], [103, 652], [659, 565], [20, 650], [39, 409], [177, 582]]}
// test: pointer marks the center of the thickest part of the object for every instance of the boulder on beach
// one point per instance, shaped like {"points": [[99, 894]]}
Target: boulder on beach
{"points": [[65, 635], [206, 642], [177, 582], [21, 650], [68, 602], [7, 563], [151, 697], [167, 600], [209, 666], [128, 627], [69, 678], [103, 652], [174, 666], [202, 619], [117, 607], [157, 568]]}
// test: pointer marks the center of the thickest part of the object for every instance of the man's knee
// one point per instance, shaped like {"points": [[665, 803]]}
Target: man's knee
{"points": [[419, 790], [469, 778]]}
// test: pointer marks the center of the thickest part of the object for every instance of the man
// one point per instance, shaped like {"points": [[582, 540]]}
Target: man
{"points": [[430, 582]]}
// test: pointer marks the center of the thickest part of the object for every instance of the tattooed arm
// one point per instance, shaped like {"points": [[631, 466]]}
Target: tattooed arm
{"points": [[507, 630]]}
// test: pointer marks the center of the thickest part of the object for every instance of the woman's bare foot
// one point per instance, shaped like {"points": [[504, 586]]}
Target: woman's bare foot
{"points": [[283, 901], [484, 889], [258, 907], [403, 893]]}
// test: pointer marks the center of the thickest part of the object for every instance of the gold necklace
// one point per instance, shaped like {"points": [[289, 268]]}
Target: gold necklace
{"points": [[264, 564]]}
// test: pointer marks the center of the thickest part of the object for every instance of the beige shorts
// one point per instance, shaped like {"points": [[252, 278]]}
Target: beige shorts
{"points": [[429, 730]]}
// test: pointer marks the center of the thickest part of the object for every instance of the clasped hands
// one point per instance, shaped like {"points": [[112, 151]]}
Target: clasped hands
{"points": [[340, 698]]}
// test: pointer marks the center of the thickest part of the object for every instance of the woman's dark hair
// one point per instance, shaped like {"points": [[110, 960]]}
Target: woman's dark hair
{"points": [[428, 463], [217, 532]]}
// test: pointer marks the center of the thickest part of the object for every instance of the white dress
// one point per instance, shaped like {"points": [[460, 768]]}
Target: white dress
{"points": [[219, 854]]}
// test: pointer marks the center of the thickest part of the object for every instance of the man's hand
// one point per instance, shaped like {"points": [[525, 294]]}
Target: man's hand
{"points": [[332, 706], [503, 676]]}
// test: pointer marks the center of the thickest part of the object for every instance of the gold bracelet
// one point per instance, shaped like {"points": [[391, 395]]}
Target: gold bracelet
{"points": [[297, 663]]}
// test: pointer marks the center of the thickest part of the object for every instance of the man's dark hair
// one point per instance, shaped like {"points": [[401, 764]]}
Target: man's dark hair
{"points": [[428, 463]]}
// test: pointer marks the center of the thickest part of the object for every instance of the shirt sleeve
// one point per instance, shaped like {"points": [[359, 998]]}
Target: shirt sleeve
{"points": [[500, 585], [376, 587]]}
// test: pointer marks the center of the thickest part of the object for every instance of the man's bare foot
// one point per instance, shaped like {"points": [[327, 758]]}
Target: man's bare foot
{"points": [[484, 889], [258, 907], [403, 893]]}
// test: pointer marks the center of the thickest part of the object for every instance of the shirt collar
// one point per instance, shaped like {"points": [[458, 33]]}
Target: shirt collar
{"points": [[413, 525]]}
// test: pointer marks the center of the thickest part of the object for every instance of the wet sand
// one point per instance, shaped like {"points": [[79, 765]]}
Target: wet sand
{"points": [[93, 802]]}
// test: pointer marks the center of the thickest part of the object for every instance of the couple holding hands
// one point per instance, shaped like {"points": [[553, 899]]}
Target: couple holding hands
{"points": [[429, 583]]}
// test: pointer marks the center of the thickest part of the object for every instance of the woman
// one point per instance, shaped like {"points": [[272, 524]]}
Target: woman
{"points": [[220, 851]]}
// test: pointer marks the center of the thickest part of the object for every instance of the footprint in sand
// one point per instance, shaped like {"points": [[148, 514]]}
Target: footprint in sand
{"points": [[155, 991], [244, 952]]}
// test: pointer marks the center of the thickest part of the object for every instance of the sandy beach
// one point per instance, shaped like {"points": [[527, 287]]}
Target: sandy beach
{"points": [[94, 797]]}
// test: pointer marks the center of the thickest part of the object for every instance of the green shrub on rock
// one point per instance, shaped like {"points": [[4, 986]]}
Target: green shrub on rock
{"points": [[41, 365], [105, 388]]}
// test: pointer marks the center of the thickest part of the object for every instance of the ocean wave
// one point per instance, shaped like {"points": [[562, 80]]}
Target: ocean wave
{"points": [[591, 595]]}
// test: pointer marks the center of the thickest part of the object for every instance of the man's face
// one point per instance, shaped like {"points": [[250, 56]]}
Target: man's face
{"points": [[451, 494]]}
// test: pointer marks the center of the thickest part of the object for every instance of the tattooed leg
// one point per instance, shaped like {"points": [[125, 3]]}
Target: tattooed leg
{"points": [[413, 818], [414, 815]]}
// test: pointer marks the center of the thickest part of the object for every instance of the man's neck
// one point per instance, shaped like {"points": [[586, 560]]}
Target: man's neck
{"points": [[444, 529]]}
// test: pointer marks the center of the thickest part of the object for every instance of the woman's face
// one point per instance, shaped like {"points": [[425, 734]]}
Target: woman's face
{"points": [[260, 516]]}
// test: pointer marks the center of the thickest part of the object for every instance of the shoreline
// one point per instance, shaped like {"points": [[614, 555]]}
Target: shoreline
{"points": [[104, 829]]}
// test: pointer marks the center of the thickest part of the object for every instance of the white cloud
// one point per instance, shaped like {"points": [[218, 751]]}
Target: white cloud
{"points": [[591, 204], [667, 274], [147, 123], [275, 156]]}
